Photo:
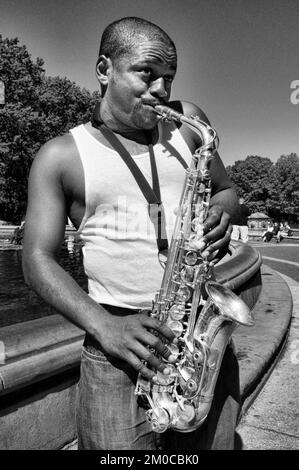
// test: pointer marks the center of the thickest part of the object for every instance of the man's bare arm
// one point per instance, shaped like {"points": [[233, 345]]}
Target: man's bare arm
{"points": [[122, 337], [44, 234]]}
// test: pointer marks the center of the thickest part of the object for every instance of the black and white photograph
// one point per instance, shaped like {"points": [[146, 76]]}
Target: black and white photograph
{"points": [[149, 228]]}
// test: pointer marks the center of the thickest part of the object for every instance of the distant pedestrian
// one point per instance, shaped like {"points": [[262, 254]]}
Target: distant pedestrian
{"points": [[240, 231], [268, 234], [277, 232], [286, 229], [273, 230]]}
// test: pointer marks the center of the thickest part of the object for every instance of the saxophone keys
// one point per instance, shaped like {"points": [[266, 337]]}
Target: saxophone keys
{"points": [[176, 327], [201, 188], [183, 294], [187, 274], [188, 381], [198, 357], [197, 222], [196, 242], [159, 419], [174, 350], [177, 312], [191, 258], [168, 379], [192, 385], [186, 372]]}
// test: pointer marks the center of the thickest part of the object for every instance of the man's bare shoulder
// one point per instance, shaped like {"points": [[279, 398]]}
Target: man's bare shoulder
{"points": [[57, 153]]}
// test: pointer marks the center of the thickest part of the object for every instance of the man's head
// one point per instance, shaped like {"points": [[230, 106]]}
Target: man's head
{"points": [[136, 65], [120, 38]]}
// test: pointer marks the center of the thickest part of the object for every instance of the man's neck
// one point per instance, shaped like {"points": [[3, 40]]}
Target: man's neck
{"points": [[134, 138], [139, 136]]}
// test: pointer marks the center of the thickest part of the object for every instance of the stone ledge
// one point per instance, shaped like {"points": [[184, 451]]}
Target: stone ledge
{"points": [[37, 349]]}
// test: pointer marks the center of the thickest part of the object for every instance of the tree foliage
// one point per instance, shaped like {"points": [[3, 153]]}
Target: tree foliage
{"points": [[268, 187], [20, 129], [287, 174], [37, 108], [62, 104], [20, 74]]}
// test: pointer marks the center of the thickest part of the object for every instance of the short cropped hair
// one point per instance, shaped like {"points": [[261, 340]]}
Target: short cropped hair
{"points": [[119, 37]]}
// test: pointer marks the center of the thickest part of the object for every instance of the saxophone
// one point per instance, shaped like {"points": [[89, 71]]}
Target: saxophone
{"points": [[201, 312]]}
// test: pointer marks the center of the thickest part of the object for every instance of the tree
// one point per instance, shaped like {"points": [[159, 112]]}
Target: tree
{"points": [[268, 187], [254, 179], [20, 129], [37, 108], [20, 74], [63, 104], [287, 174]]}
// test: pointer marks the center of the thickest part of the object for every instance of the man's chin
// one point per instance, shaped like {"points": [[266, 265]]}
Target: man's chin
{"points": [[147, 120]]}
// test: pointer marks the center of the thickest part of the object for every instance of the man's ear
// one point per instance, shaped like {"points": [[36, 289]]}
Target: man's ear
{"points": [[103, 68]]}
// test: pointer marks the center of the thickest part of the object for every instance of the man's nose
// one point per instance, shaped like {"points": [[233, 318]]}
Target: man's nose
{"points": [[157, 88]]}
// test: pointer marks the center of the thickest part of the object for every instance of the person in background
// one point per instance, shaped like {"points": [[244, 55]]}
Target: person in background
{"points": [[240, 231], [273, 230], [268, 234], [286, 229], [277, 232]]}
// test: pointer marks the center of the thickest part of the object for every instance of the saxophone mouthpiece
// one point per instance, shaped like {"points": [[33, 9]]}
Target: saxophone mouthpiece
{"points": [[167, 113]]}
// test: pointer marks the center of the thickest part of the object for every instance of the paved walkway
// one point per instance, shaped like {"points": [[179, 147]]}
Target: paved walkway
{"points": [[271, 423]]}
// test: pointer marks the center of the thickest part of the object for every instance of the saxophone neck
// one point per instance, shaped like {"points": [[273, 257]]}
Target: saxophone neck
{"points": [[206, 133]]}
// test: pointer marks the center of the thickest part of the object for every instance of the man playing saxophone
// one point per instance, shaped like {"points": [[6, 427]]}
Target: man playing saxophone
{"points": [[86, 175]]}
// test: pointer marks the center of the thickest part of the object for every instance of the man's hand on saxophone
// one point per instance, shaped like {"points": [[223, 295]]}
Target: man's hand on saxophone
{"points": [[217, 232], [128, 338]]}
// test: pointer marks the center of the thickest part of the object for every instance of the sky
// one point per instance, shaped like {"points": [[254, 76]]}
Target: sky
{"points": [[237, 59]]}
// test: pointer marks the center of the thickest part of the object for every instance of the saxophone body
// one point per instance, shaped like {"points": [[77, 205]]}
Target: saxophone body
{"points": [[202, 313]]}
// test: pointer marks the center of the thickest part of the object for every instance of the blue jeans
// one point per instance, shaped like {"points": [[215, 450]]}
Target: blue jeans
{"points": [[110, 418]]}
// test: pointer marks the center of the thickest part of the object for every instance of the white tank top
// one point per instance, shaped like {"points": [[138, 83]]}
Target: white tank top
{"points": [[120, 252]]}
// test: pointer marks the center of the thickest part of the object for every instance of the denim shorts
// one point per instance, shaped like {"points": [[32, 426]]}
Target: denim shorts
{"points": [[110, 418], [108, 414]]}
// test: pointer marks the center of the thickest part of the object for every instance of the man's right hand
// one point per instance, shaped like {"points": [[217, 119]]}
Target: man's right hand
{"points": [[130, 337]]}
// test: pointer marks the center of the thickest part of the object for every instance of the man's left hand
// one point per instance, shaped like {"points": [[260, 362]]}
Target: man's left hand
{"points": [[217, 231]]}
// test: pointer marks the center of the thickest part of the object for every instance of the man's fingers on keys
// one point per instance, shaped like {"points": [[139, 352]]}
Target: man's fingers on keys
{"points": [[213, 218], [164, 351], [220, 230], [218, 244], [158, 326], [149, 356], [145, 371], [155, 343], [141, 366]]}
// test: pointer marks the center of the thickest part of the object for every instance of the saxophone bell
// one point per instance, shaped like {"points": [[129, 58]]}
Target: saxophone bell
{"points": [[229, 304]]}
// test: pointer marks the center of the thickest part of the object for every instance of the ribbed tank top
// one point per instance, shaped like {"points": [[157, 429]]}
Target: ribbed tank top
{"points": [[120, 250]]}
